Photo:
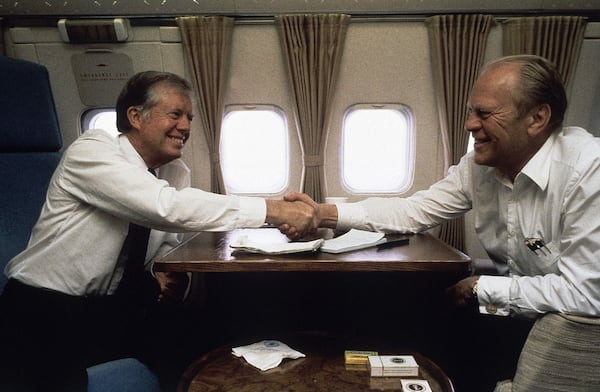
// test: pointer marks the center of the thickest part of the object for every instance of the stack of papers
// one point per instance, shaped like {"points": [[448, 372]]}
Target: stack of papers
{"points": [[352, 240], [246, 244]]}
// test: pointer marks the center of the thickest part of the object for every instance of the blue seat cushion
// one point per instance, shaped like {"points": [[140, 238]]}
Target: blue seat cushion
{"points": [[25, 178], [123, 375]]}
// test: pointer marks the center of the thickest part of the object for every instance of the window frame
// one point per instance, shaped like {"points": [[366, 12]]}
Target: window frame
{"points": [[88, 115], [286, 137], [410, 158]]}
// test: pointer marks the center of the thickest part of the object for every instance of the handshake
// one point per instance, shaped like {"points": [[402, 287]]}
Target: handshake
{"points": [[298, 215]]}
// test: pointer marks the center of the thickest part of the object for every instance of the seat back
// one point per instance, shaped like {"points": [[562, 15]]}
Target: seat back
{"points": [[30, 145]]}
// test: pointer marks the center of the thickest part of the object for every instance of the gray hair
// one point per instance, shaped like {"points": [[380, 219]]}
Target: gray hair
{"points": [[540, 84], [139, 92]]}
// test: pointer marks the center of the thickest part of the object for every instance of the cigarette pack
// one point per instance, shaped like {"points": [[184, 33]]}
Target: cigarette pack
{"points": [[376, 366], [393, 366], [357, 357]]}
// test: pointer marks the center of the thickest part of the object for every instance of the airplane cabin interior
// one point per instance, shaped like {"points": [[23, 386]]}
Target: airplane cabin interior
{"points": [[386, 59]]}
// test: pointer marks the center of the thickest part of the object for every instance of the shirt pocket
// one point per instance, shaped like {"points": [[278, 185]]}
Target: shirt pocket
{"points": [[547, 258]]}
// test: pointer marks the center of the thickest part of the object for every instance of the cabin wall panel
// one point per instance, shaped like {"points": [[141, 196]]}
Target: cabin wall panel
{"points": [[584, 94], [146, 34], [57, 58], [22, 35], [25, 52], [258, 75], [387, 63]]}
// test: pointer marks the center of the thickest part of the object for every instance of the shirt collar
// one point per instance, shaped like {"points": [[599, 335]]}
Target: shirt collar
{"points": [[130, 152], [538, 167]]}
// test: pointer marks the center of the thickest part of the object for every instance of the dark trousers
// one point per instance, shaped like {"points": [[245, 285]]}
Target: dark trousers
{"points": [[49, 339]]}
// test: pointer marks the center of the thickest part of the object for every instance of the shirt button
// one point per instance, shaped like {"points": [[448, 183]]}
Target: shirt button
{"points": [[491, 308]]}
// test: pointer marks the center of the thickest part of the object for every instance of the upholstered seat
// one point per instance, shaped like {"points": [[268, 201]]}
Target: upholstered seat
{"points": [[123, 375], [30, 144]]}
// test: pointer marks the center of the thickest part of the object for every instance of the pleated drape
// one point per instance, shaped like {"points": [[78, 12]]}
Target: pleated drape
{"points": [[557, 38], [207, 46], [457, 44], [312, 47]]}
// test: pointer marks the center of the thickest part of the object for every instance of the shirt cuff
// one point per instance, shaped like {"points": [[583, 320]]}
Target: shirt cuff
{"points": [[349, 215], [252, 211], [493, 295]]}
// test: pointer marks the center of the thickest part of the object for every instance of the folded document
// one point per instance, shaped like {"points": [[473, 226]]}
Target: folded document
{"points": [[352, 240], [244, 243]]}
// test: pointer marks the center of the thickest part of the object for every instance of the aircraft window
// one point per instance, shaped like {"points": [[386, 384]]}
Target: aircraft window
{"points": [[254, 150], [377, 149], [100, 118]]}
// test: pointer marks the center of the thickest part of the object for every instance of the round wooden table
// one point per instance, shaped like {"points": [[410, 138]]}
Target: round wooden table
{"points": [[322, 369]]}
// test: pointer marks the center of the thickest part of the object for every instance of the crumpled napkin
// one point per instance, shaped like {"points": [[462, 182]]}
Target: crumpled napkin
{"points": [[266, 354]]}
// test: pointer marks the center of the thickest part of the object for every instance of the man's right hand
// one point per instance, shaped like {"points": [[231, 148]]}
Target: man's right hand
{"points": [[297, 216], [325, 215]]}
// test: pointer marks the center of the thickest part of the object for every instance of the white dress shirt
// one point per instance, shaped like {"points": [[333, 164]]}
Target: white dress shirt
{"points": [[555, 198], [100, 186]]}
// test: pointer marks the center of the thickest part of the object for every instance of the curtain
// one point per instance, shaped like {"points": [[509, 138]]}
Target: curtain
{"points": [[207, 46], [457, 44], [312, 47], [557, 38]]}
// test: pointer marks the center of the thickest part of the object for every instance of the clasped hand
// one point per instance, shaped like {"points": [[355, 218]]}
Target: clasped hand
{"points": [[295, 215]]}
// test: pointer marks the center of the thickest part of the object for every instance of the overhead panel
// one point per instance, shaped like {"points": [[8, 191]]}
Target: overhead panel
{"points": [[143, 8]]}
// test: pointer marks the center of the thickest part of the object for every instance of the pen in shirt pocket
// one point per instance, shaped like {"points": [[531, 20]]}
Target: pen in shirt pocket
{"points": [[537, 244]]}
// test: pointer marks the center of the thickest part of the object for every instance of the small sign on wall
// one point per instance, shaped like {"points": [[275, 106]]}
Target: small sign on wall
{"points": [[100, 76]]}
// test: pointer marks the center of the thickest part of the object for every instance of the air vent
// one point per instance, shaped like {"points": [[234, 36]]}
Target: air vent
{"points": [[86, 31]]}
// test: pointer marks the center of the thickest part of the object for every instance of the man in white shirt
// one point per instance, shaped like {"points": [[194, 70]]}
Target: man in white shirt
{"points": [[533, 186], [61, 309]]}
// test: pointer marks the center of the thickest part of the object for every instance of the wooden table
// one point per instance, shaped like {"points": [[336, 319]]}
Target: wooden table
{"points": [[210, 252], [322, 369], [255, 296]]}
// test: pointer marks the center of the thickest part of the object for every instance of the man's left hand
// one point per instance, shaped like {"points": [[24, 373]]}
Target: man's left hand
{"points": [[462, 293], [172, 286]]}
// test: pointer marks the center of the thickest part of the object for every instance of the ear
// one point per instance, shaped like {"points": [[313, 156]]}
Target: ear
{"points": [[539, 118], [134, 115]]}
